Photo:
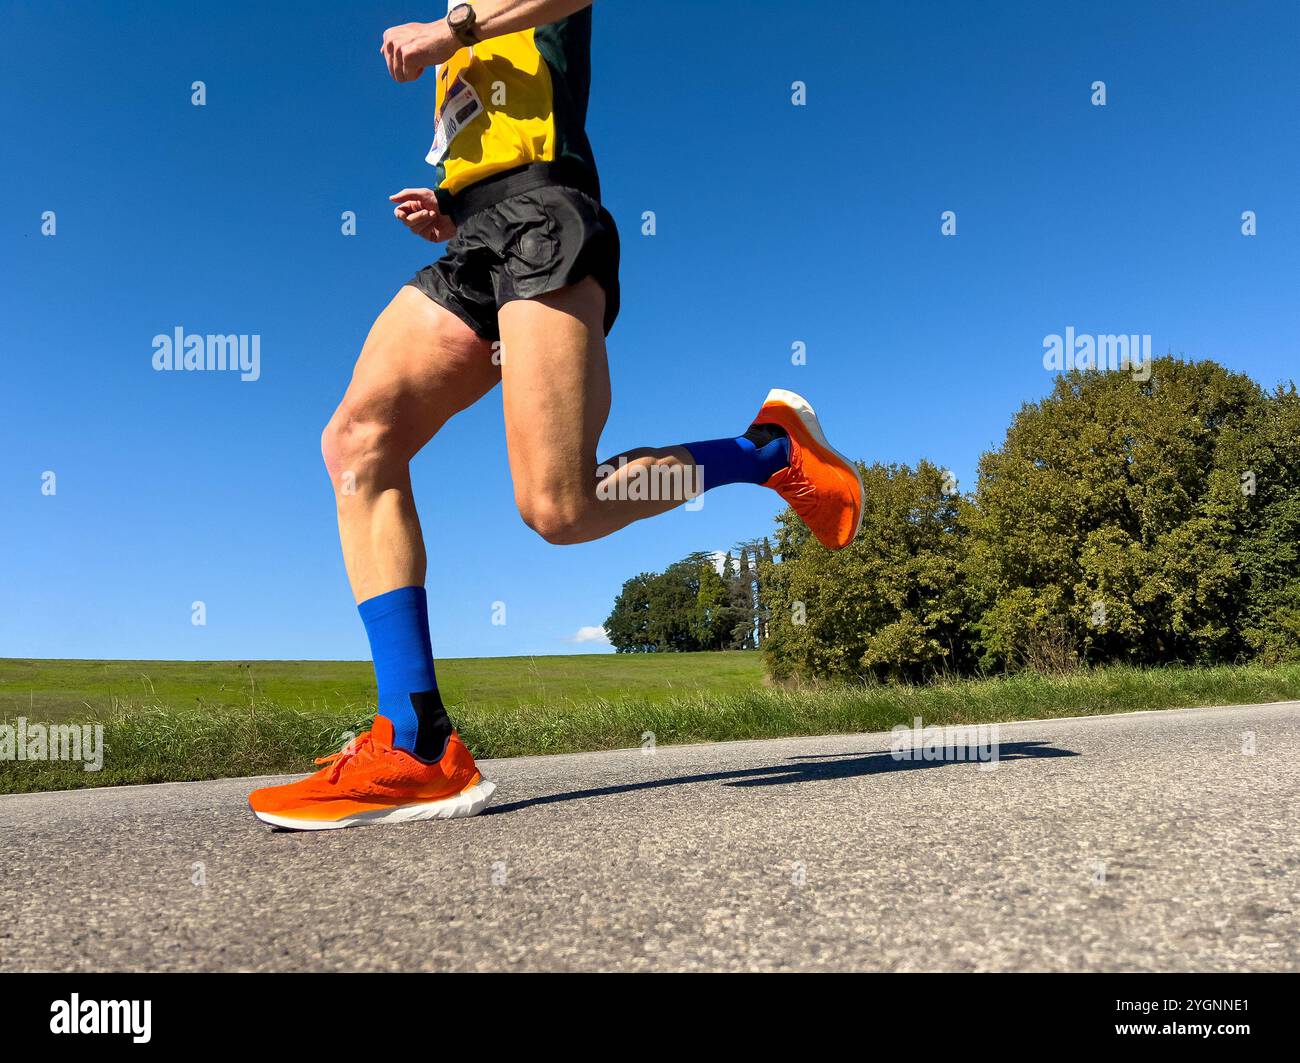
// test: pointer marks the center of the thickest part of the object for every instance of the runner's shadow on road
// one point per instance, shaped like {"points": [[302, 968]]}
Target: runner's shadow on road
{"points": [[824, 767]]}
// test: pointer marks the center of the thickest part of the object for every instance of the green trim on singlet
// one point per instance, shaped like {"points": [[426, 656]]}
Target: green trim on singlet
{"points": [[565, 46]]}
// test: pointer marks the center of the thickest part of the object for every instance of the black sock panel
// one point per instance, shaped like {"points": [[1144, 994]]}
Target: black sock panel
{"points": [[434, 724], [762, 434]]}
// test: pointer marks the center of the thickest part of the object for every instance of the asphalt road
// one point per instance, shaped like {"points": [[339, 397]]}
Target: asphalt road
{"points": [[1149, 841]]}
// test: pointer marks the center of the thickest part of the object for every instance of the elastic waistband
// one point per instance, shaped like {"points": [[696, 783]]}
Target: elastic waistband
{"points": [[492, 190]]}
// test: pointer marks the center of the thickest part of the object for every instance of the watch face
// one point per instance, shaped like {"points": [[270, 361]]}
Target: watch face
{"points": [[460, 16]]}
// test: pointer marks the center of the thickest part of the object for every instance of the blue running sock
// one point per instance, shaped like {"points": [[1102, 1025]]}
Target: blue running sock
{"points": [[748, 459], [397, 625]]}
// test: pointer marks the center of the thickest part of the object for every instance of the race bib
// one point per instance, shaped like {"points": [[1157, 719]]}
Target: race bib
{"points": [[460, 106]]}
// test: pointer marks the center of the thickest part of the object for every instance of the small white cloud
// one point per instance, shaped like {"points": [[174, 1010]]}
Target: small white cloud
{"points": [[590, 634], [719, 560]]}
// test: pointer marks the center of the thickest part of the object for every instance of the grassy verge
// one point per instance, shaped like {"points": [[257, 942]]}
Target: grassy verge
{"points": [[67, 690], [150, 740]]}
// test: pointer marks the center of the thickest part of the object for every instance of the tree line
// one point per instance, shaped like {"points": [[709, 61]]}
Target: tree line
{"points": [[702, 602], [1147, 521]]}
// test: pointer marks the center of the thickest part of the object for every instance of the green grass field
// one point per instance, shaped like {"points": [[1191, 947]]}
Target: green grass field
{"points": [[66, 690], [167, 721]]}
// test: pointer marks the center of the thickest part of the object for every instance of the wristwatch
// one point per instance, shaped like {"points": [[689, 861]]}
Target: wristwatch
{"points": [[460, 20]]}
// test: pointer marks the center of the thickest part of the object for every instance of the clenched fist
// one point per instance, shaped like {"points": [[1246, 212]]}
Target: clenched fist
{"points": [[410, 48], [417, 209]]}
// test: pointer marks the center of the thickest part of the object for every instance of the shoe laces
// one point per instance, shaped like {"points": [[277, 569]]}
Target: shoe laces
{"points": [[802, 490], [798, 489], [363, 743]]}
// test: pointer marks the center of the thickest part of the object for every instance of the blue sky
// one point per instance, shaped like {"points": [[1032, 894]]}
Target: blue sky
{"points": [[776, 224]]}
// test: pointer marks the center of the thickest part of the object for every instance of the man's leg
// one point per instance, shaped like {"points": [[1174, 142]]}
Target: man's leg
{"points": [[420, 365], [555, 386]]}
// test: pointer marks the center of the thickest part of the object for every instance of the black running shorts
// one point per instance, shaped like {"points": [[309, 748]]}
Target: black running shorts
{"points": [[519, 247]]}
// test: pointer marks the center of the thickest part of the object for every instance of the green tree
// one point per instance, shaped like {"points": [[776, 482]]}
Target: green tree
{"points": [[711, 619], [740, 594], [739, 619], [1268, 551], [1104, 527], [1150, 521], [628, 624], [762, 608], [747, 598], [685, 608], [891, 604]]}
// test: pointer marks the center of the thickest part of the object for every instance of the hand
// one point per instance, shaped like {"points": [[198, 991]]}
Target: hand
{"points": [[417, 209], [410, 48]]}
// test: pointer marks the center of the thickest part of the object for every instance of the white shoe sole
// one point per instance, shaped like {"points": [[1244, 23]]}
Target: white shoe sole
{"points": [[808, 416], [468, 802]]}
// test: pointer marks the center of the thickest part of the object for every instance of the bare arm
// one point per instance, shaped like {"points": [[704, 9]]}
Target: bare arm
{"points": [[411, 48], [497, 17]]}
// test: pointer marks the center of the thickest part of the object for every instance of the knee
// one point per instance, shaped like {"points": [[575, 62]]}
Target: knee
{"points": [[355, 444], [557, 519]]}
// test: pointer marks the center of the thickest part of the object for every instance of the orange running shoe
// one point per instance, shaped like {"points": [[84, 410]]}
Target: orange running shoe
{"points": [[368, 781], [820, 483]]}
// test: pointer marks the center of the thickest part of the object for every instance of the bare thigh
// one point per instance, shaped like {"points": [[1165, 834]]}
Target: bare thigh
{"points": [[555, 390], [555, 385], [420, 364]]}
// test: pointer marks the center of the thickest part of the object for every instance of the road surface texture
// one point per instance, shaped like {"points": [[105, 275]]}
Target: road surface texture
{"points": [[1151, 841]]}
